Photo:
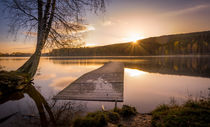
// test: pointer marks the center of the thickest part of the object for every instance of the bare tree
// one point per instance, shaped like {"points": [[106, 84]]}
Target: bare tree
{"points": [[54, 22]]}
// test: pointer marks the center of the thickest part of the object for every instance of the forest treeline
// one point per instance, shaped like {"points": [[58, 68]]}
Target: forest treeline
{"points": [[178, 44], [16, 54]]}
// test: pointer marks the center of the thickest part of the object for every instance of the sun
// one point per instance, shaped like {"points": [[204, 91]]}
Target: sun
{"points": [[133, 38], [90, 45]]}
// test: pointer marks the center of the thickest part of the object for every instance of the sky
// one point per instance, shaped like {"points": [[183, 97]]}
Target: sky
{"points": [[127, 20]]}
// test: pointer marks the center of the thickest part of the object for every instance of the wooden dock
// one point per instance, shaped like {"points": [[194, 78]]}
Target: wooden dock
{"points": [[102, 84]]}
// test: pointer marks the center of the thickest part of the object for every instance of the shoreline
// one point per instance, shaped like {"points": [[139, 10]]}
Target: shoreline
{"points": [[111, 57]]}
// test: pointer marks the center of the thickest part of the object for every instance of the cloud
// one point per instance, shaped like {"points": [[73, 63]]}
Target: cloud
{"points": [[78, 29], [83, 27], [107, 23], [186, 10], [87, 28]]}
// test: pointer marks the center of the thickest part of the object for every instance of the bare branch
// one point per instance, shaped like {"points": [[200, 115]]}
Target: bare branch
{"points": [[23, 10], [58, 19]]}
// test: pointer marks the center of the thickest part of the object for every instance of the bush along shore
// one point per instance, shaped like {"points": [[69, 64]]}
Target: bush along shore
{"points": [[126, 116], [193, 113]]}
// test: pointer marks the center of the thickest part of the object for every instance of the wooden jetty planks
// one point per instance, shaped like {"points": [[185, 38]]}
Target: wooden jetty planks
{"points": [[102, 84]]}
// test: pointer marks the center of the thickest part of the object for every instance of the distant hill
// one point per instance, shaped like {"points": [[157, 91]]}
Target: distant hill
{"points": [[177, 44]]}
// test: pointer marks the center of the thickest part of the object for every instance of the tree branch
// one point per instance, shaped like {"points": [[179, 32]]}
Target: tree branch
{"points": [[22, 10]]}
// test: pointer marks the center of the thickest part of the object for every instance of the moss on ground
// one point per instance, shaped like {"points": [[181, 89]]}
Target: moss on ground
{"points": [[193, 113], [12, 81]]}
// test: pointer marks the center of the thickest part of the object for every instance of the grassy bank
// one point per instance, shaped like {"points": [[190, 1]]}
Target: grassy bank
{"points": [[105, 118], [193, 113]]}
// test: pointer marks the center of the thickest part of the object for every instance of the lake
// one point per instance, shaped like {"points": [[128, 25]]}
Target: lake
{"points": [[148, 81]]}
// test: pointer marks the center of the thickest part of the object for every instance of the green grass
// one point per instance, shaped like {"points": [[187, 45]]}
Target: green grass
{"points": [[102, 118], [96, 119], [112, 117], [193, 113], [126, 111]]}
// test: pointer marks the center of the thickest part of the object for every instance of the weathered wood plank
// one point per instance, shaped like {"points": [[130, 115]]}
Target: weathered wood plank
{"points": [[102, 84]]}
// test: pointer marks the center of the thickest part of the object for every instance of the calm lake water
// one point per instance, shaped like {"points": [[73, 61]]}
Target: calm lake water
{"points": [[148, 81]]}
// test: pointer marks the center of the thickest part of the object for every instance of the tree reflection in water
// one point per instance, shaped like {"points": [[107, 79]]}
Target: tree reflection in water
{"points": [[39, 100], [173, 65]]}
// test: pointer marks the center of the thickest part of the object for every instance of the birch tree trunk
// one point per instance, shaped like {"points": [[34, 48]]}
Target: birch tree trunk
{"points": [[45, 19], [31, 65], [63, 14]]}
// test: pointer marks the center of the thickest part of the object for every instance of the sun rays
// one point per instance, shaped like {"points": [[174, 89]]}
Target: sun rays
{"points": [[134, 37]]}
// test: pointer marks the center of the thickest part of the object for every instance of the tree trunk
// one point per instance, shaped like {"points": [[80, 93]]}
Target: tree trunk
{"points": [[31, 65], [44, 26]]}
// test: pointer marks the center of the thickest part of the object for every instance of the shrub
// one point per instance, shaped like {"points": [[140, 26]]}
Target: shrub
{"points": [[112, 117], [96, 119], [101, 118], [84, 122], [120, 125], [117, 110], [160, 108], [190, 114], [128, 111]]}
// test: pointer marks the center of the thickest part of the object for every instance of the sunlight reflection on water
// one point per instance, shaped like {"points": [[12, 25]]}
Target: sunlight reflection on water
{"points": [[134, 72]]}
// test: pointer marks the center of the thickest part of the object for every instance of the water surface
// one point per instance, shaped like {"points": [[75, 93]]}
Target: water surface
{"points": [[148, 81]]}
